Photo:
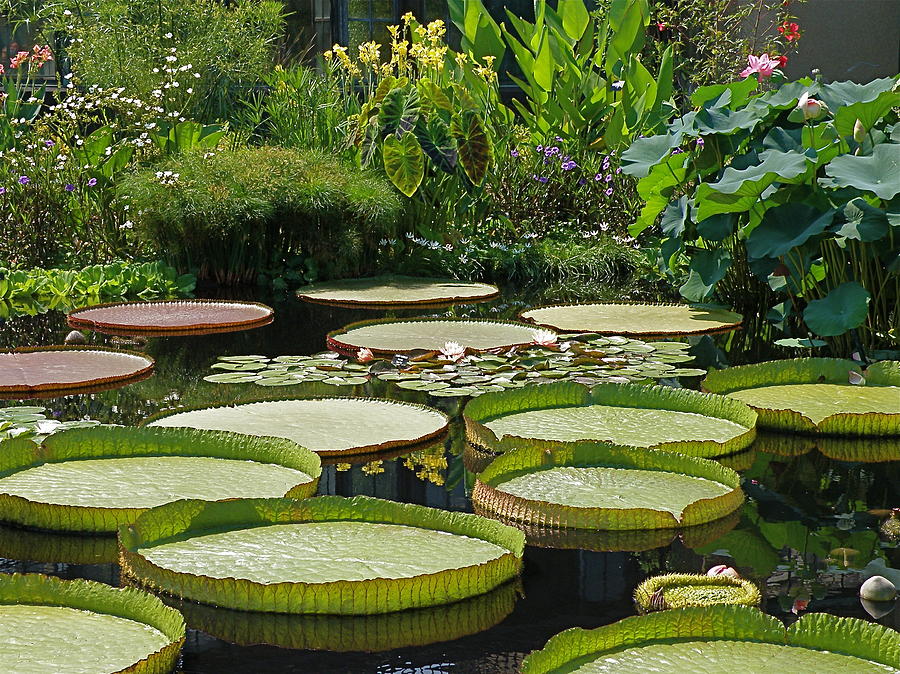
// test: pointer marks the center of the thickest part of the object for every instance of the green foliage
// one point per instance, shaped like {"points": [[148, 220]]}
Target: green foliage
{"points": [[232, 214]]}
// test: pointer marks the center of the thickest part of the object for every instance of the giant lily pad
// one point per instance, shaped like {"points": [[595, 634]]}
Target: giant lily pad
{"points": [[326, 555], [721, 638], [815, 395], [396, 292], [94, 479], [635, 320], [58, 370], [634, 415], [54, 626], [678, 590], [327, 426], [599, 486], [429, 334], [171, 317]]}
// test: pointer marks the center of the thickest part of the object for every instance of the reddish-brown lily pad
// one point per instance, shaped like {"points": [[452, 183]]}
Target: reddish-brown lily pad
{"points": [[172, 317], [57, 370]]}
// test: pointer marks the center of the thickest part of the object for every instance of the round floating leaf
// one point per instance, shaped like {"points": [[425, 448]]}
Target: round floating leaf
{"points": [[721, 638], [842, 309], [44, 623], [640, 320], [679, 590], [232, 378], [327, 426], [326, 555], [396, 291], [813, 395], [876, 173], [94, 479]]}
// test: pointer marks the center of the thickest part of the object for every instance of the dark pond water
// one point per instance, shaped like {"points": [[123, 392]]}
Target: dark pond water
{"points": [[803, 533]]}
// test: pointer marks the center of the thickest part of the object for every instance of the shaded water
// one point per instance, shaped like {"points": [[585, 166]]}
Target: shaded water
{"points": [[803, 531]]}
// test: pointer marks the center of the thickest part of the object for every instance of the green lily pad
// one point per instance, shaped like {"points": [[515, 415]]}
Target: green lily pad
{"points": [[679, 590], [842, 309], [396, 292], [641, 320], [327, 426], [721, 638], [233, 378], [326, 555]]}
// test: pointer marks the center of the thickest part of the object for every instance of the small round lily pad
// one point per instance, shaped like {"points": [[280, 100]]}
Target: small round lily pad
{"points": [[679, 590], [396, 292]]}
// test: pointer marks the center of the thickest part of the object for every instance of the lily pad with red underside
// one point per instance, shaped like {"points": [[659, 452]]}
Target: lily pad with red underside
{"points": [[171, 317], [60, 370], [396, 292]]}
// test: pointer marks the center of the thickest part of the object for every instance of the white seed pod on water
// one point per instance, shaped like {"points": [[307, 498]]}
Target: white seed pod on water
{"points": [[877, 588]]}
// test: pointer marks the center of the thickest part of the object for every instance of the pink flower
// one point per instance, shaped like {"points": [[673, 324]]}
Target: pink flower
{"points": [[543, 337], [723, 570], [364, 355], [799, 605], [812, 108], [453, 351], [18, 59], [761, 64]]}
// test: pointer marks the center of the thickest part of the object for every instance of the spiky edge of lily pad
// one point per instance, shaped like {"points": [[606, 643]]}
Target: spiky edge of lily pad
{"points": [[376, 449], [106, 442], [747, 595], [87, 595], [370, 633], [489, 293], [479, 411], [810, 371], [818, 631], [334, 343], [718, 328], [490, 497], [182, 519], [88, 385]]}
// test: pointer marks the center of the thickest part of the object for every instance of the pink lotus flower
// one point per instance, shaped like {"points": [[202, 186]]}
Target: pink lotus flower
{"points": [[543, 337], [453, 351], [365, 355], [761, 64], [812, 108], [723, 570]]}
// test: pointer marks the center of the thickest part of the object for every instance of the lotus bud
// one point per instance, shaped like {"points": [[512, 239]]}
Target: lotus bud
{"points": [[878, 588], [723, 570], [365, 355], [811, 108], [859, 131], [76, 337], [856, 378]]}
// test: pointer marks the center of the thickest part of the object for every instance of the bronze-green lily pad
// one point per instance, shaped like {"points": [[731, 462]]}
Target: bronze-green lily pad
{"points": [[679, 590], [396, 292]]}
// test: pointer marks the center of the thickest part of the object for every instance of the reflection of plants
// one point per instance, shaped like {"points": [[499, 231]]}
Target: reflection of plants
{"points": [[429, 465]]}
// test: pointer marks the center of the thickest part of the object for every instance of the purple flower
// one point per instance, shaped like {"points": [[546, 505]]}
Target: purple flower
{"points": [[598, 177], [24, 180], [700, 142], [2, 190], [609, 192], [582, 181], [558, 139], [677, 150], [618, 170], [92, 182], [608, 177], [539, 148], [49, 143], [568, 165], [540, 179], [70, 187], [514, 153]]}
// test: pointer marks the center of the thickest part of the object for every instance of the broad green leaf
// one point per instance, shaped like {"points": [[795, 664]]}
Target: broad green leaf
{"points": [[863, 221], [877, 173], [404, 162], [786, 227], [473, 145], [171, 316], [740, 92], [437, 142], [575, 17], [657, 188], [842, 309], [399, 111], [645, 153], [708, 267], [867, 112], [675, 216], [66, 368], [717, 227]]}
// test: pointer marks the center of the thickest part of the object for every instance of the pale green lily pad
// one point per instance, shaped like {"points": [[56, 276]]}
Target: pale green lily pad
{"points": [[395, 292], [639, 320], [327, 426], [820, 401]]}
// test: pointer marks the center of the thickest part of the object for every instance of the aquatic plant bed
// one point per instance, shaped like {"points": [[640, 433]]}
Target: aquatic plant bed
{"points": [[679, 590], [598, 486], [171, 317], [721, 638], [634, 320], [633, 415], [327, 555], [396, 292], [327, 426], [75, 626], [58, 370], [94, 479], [817, 395]]}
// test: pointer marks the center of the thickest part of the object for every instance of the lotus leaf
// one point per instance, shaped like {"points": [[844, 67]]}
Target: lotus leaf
{"points": [[640, 320], [429, 334], [600, 486], [678, 590], [327, 426], [843, 308], [326, 555], [658, 417], [396, 291], [721, 638], [814, 395], [73, 626], [93, 479], [876, 173]]}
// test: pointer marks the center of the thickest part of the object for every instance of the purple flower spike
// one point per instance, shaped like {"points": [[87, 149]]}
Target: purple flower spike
{"points": [[582, 181], [568, 165]]}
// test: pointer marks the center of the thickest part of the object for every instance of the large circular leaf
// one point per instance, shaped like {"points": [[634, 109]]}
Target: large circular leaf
{"points": [[876, 173], [842, 309], [395, 292], [678, 590], [324, 555], [638, 320], [327, 426]]}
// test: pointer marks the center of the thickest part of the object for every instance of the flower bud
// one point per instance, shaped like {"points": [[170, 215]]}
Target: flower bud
{"points": [[723, 570], [859, 131], [811, 108]]}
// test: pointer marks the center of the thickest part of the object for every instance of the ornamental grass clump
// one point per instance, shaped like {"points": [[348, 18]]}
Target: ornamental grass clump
{"points": [[231, 214]]}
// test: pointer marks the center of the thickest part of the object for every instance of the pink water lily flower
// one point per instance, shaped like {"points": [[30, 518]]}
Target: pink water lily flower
{"points": [[799, 605], [723, 570], [365, 355], [453, 351], [543, 337], [761, 64]]}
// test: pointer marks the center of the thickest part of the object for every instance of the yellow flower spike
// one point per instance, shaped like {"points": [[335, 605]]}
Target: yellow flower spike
{"points": [[394, 30], [328, 55], [420, 31], [407, 18], [460, 59]]}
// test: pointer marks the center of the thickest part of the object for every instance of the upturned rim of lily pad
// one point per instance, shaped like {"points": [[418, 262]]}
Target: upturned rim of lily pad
{"points": [[811, 371], [477, 292], [185, 519], [730, 320], [88, 595], [650, 596]]}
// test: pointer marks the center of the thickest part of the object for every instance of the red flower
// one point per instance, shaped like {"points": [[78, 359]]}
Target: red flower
{"points": [[782, 61], [660, 26], [790, 30]]}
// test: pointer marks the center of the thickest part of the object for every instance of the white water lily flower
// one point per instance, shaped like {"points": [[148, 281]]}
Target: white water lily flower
{"points": [[543, 337], [453, 351]]}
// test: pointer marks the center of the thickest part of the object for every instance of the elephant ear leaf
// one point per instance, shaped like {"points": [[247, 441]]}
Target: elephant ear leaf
{"points": [[473, 145], [437, 142], [399, 111], [404, 162], [843, 309]]}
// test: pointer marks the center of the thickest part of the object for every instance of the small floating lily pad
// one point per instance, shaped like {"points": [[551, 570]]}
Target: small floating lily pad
{"points": [[327, 426], [58, 370], [658, 417], [635, 320], [94, 479], [396, 292], [679, 590], [815, 395], [429, 334], [54, 626], [328, 555], [719, 639], [171, 317], [600, 486]]}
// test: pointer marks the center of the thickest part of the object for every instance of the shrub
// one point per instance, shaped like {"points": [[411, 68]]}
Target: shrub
{"points": [[232, 214]]}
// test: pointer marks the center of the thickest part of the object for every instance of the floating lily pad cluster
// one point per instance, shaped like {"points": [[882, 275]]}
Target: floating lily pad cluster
{"points": [[32, 422]]}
